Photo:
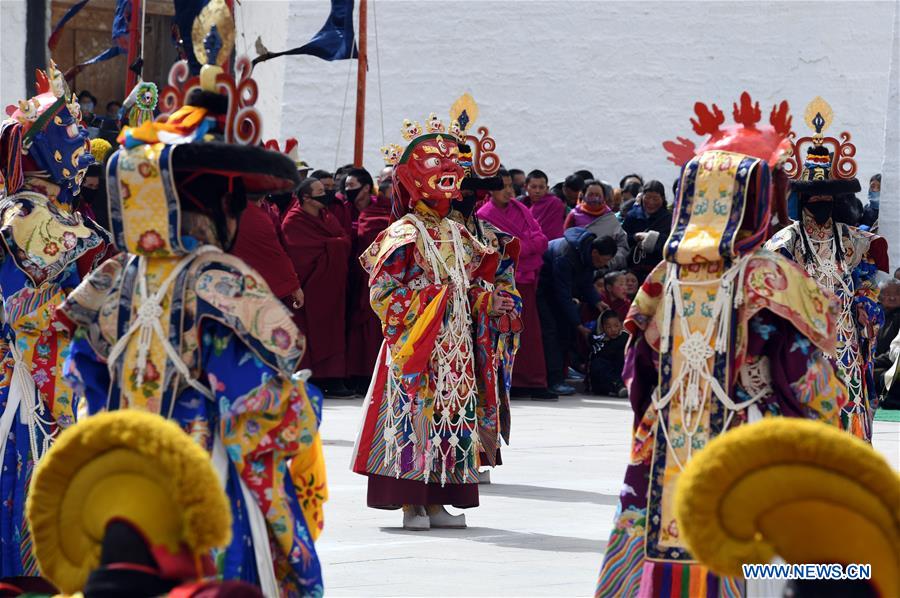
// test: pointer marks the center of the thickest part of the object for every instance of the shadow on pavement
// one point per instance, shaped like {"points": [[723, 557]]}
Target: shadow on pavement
{"points": [[348, 443], [577, 402], [511, 539], [545, 493]]}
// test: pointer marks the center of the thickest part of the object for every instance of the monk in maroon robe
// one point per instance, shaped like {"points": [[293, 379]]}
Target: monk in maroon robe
{"points": [[358, 187], [320, 250], [364, 335], [260, 243]]}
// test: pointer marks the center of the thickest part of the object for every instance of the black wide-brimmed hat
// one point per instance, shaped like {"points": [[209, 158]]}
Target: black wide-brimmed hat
{"points": [[185, 162]]}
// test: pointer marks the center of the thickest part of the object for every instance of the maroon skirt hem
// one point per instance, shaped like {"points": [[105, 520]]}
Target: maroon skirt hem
{"points": [[530, 369], [484, 460], [392, 493]]}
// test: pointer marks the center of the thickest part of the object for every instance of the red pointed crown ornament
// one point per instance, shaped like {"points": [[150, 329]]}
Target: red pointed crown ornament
{"points": [[769, 143]]}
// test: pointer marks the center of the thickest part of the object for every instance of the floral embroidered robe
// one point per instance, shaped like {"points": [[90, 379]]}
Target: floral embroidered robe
{"points": [[43, 240], [854, 282], [424, 418], [238, 341], [783, 364], [721, 333]]}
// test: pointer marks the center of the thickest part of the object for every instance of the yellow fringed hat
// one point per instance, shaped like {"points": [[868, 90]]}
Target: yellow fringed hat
{"points": [[123, 466], [100, 148], [799, 489]]}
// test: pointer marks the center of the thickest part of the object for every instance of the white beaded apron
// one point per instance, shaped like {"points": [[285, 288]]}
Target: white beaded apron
{"points": [[441, 439], [702, 291]]}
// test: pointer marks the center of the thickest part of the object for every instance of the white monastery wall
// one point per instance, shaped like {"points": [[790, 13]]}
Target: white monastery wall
{"points": [[578, 84], [568, 84], [12, 53]]}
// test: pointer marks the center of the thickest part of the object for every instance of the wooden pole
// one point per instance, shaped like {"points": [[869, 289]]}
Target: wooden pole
{"points": [[135, 39], [362, 64]]}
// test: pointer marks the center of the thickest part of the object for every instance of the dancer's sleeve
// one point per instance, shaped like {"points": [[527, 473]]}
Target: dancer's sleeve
{"points": [[791, 374], [87, 376], [265, 420], [395, 301], [865, 281]]}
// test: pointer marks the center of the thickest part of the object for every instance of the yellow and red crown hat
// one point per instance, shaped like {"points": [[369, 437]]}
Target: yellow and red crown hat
{"points": [[797, 489], [124, 466]]}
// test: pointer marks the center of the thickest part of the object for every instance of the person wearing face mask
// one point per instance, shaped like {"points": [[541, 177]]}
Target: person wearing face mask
{"points": [[88, 103], [594, 213], [870, 214], [647, 225], [92, 201], [319, 247], [364, 328], [843, 260], [357, 193], [260, 243]]}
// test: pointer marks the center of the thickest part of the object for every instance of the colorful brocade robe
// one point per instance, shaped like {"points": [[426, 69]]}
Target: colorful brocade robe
{"points": [[43, 240], [225, 372], [432, 410], [721, 333], [854, 282], [773, 365], [505, 330]]}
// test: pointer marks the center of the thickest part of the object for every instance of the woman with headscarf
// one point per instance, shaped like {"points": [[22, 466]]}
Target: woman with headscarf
{"points": [[647, 225], [593, 213]]}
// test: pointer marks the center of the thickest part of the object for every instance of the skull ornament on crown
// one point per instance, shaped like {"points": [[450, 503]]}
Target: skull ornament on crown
{"points": [[44, 136], [428, 170]]}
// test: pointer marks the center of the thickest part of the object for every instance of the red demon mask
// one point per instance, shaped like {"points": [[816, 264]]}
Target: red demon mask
{"points": [[429, 172]]}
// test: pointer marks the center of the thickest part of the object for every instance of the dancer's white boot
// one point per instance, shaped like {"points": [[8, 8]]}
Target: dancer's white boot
{"points": [[440, 518], [415, 518]]}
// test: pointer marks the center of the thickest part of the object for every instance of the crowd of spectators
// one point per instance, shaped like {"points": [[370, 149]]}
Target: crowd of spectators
{"points": [[583, 254], [585, 247]]}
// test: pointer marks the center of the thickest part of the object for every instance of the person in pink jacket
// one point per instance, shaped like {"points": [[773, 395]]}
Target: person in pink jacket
{"points": [[547, 209], [513, 217]]}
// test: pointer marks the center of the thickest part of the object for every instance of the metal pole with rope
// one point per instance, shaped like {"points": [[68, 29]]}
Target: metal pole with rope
{"points": [[378, 68]]}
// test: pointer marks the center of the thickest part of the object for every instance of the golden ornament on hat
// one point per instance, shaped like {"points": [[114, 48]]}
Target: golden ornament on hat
{"points": [[410, 130], [212, 36], [464, 103], [434, 124], [818, 107], [215, 14], [391, 154]]}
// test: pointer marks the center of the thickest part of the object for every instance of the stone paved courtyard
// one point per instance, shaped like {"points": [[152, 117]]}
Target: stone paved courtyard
{"points": [[540, 530]]}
